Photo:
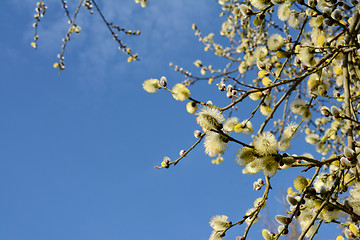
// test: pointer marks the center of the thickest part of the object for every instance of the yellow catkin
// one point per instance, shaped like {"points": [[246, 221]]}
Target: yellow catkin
{"points": [[317, 203], [300, 183], [261, 74], [255, 96], [338, 70], [266, 234], [210, 81], [266, 81], [258, 201], [354, 229], [281, 54], [348, 179], [238, 128], [191, 107], [321, 40], [265, 110]]}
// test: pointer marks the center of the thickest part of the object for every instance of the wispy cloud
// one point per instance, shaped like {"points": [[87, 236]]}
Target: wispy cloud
{"points": [[165, 25]]}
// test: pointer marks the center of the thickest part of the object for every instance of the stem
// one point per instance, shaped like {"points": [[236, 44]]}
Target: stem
{"points": [[337, 181], [263, 201], [191, 148]]}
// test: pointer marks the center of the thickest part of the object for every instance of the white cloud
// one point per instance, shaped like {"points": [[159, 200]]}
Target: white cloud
{"points": [[165, 25]]}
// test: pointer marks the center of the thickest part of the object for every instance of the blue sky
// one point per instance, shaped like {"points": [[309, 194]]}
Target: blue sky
{"points": [[78, 150]]}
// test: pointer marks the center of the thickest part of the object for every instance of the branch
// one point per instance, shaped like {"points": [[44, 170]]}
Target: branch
{"points": [[184, 155]]}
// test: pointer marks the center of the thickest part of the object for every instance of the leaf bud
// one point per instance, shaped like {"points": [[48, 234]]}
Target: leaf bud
{"points": [[260, 181], [335, 111], [288, 160], [197, 133], [336, 14], [163, 81], [166, 162], [222, 87], [229, 94], [229, 88], [282, 219], [327, 11], [344, 162], [182, 153], [291, 200], [325, 111], [348, 152]]}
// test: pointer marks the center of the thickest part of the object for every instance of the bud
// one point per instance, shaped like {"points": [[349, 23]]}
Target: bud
{"points": [[191, 107], [163, 81], [322, 91], [245, 10], [300, 183], [166, 162], [229, 94], [282, 54], [325, 111], [344, 162], [348, 152], [257, 185], [282, 219], [347, 204], [182, 153], [258, 20], [322, 189], [260, 181], [353, 228], [288, 160], [345, 6], [198, 63], [291, 200], [222, 87], [335, 111], [266, 234], [327, 11], [336, 14], [197, 133]]}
